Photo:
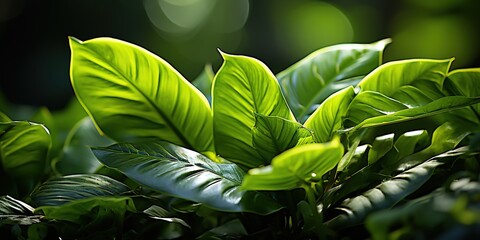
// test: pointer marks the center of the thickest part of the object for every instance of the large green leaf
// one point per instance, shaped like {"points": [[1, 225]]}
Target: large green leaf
{"points": [[23, 153], [242, 88], [388, 78], [131, 94], [388, 193], [385, 195], [61, 190], [186, 174], [442, 105], [274, 135], [329, 116], [295, 167], [76, 155], [310, 81]]}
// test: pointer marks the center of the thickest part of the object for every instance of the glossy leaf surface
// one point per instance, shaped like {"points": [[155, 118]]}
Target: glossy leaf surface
{"points": [[310, 81], [295, 167], [186, 174], [329, 116], [131, 94], [242, 88], [274, 135], [61, 190]]}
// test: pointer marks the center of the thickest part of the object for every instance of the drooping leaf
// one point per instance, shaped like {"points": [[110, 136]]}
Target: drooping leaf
{"points": [[389, 77], [186, 174], [23, 153], [204, 82], [4, 117], [131, 95], [295, 167], [273, 135], [161, 214], [76, 156], [62, 190], [388, 193], [328, 118], [310, 81], [242, 88], [385, 195]]}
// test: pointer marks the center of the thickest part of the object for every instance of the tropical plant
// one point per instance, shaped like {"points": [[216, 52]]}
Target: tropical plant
{"points": [[326, 145]]}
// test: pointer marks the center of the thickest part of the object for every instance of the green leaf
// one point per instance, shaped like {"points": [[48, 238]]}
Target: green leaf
{"points": [[407, 144], [131, 95], [438, 106], [242, 88], [273, 135], [62, 190], [76, 156], [328, 118], [380, 146], [186, 174], [385, 195], [310, 81], [92, 218], [13, 211], [467, 83], [389, 77], [204, 82], [23, 153], [295, 167], [4, 117]]}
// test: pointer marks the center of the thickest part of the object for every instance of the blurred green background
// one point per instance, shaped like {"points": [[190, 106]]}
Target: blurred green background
{"points": [[36, 56]]}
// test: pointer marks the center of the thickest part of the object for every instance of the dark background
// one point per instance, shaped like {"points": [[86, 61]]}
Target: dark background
{"points": [[36, 56]]}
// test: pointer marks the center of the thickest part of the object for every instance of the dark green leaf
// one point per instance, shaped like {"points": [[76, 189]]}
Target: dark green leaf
{"points": [[242, 88], [204, 82], [62, 190], [13, 211], [131, 94], [186, 174], [310, 81], [77, 156]]}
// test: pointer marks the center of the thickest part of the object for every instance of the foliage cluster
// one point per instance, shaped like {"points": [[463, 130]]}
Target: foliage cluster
{"points": [[338, 145]]}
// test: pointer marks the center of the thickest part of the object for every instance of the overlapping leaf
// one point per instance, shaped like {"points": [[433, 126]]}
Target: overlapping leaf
{"points": [[242, 88], [131, 94], [186, 174], [310, 81], [62, 190], [273, 135], [329, 116], [295, 167]]}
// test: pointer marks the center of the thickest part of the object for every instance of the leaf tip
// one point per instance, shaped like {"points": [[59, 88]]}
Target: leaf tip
{"points": [[383, 43]]}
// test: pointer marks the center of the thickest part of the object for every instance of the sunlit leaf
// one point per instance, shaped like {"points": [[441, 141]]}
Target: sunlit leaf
{"points": [[186, 174], [389, 77], [310, 81], [466, 82], [274, 135], [13, 211], [131, 94], [329, 116], [242, 88], [295, 167], [23, 153]]}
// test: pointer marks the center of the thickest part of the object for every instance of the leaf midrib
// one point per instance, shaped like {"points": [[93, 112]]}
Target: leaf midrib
{"points": [[147, 99]]}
